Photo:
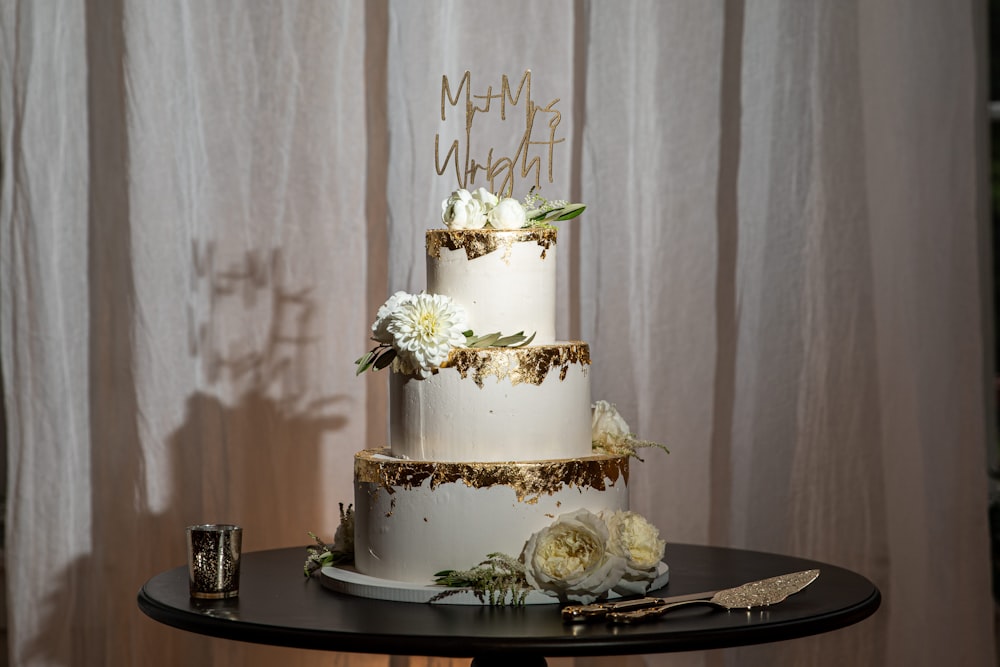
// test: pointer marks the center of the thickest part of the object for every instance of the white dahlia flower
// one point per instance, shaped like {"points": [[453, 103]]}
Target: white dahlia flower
{"points": [[380, 330], [424, 329]]}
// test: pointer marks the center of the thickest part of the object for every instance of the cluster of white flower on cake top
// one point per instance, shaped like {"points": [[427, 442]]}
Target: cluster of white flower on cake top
{"points": [[481, 209], [475, 210]]}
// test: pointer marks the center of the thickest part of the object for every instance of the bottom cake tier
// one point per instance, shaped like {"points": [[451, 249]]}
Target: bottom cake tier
{"points": [[416, 518]]}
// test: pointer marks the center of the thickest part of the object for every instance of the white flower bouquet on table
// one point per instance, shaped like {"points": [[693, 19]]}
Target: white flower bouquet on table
{"points": [[572, 558], [638, 543], [581, 557], [341, 552]]}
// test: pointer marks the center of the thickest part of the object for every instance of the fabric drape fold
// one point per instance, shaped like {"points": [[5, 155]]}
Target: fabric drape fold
{"points": [[780, 273]]}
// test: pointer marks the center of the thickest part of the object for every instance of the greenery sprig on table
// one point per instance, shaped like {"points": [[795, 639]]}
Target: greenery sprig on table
{"points": [[341, 552], [498, 580]]}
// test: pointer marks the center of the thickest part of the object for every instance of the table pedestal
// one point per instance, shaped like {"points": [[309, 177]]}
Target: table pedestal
{"points": [[502, 661]]}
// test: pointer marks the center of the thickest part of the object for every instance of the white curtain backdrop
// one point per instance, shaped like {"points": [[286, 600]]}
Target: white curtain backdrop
{"points": [[781, 274]]}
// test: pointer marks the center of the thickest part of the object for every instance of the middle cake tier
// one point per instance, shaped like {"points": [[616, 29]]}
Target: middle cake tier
{"points": [[495, 404]]}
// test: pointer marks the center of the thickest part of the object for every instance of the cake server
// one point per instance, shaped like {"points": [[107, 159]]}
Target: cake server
{"points": [[747, 596]]}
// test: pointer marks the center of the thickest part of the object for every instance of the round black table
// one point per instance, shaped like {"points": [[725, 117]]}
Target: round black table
{"points": [[277, 605]]}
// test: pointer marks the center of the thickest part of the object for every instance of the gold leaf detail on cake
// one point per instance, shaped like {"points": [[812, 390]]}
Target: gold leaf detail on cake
{"points": [[480, 242], [530, 364], [528, 479]]}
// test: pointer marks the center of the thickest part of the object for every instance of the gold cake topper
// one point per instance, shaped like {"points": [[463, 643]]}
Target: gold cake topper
{"points": [[504, 169]]}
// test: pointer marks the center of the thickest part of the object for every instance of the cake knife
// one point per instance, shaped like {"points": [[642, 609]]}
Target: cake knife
{"points": [[746, 596]]}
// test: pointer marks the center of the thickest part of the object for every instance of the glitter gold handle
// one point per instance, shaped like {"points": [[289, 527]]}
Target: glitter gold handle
{"points": [[748, 596], [649, 613], [583, 613]]}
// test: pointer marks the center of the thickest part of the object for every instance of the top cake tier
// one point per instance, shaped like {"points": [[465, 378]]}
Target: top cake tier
{"points": [[505, 279]]}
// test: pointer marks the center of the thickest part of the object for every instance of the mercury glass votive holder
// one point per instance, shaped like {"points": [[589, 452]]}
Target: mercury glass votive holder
{"points": [[214, 560]]}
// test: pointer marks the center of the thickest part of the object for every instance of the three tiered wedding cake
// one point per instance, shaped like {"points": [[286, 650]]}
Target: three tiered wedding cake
{"points": [[494, 445]]}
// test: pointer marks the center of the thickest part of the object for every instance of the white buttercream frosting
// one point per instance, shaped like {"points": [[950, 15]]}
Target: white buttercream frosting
{"points": [[496, 410], [411, 524], [505, 280]]}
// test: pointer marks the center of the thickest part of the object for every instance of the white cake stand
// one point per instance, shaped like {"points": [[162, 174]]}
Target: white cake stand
{"points": [[345, 579]]}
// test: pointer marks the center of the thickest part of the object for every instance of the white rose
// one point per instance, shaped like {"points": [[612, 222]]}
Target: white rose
{"points": [[638, 542], [462, 211], [606, 424], [343, 539], [570, 559], [379, 329], [507, 214], [487, 198]]}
